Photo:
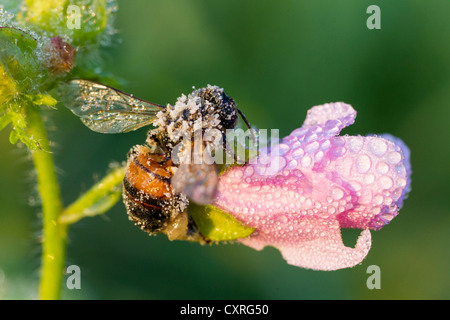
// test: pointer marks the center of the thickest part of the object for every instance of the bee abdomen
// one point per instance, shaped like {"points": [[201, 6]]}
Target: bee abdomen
{"points": [[147, 189]]}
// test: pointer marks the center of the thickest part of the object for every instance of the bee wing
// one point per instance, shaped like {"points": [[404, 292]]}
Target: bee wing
{"points": [[197, 181], [107, 110]]}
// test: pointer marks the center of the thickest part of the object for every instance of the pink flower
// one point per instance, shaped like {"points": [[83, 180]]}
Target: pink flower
{"points": [[302, 193]]}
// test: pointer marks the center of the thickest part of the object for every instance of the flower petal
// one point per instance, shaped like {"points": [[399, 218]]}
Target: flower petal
{"points": [[300, 193], [340, 113], [321, 245]]}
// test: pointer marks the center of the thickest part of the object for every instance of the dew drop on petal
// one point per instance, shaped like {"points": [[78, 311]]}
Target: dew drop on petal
{"points": [[277, 164], [299, 132], [377, 146], [382, 167], [325, 145], [298, 153], [238, 174], [339, 151], [401, 182], [338, 141], [319, 156], [354, 144], [282, 219], [298, 173], [385, 182], [296, 145], [281, 149], [394, 157], [337, 193], [311, 137], [400, 170], [292, 164], [369, 178], [306, 161], [378, 200], [312, 147], [249, 171], [387, 217], [363, 163], [355, 186]]}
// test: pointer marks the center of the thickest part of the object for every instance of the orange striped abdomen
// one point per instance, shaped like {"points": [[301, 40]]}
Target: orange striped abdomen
{"points": [[147, 190]]}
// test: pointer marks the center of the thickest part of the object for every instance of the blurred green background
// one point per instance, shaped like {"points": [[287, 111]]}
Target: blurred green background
{"points": [[276, 59]]}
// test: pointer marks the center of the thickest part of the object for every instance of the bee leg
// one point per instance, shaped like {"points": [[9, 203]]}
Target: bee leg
{"points": [[230, 152], [183, 227]]}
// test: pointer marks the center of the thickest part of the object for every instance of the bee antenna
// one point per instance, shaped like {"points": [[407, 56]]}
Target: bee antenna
{"points": [[247, 123]]}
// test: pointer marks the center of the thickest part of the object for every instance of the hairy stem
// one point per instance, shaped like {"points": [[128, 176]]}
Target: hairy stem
{"points": [[54, 233], [97, 200]]}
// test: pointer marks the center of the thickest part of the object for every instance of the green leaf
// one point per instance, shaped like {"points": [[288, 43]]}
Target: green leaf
{"points": [[217, 225], [7, 88], [20, 134], [19, 59], [4, 120], [81, 20], [19, 128]]}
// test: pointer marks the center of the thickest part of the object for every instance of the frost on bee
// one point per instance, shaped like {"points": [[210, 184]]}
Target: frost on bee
{"points": [[321, 183], [197, 112]]}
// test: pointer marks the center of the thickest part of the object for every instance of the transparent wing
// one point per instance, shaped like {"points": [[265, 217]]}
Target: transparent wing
{"points": [[107, 110], [197, 175]]}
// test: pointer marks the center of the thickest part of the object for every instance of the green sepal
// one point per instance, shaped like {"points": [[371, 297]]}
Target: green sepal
{"points": [[19, 59], [217, 225], [42, 100], [81, 20], [19, 128]]}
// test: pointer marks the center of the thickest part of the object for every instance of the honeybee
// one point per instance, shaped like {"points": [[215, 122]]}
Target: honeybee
{"points": [[161, 176]]}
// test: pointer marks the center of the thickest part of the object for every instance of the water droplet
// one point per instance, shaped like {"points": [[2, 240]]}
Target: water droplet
{"points": [[298, 173], [296, 145], [312, 147], [382, 168], [339, 151], [281, 149], [325, 145], [378, 200], [249, 171], [298, 153], [319, 156], [337, 193], [277, 164], [377, 146], [400, 170], [401, 182], [387, 217], [356, 186], [292, 164], [363, 163], [238, 174], [299, 132], [306, 161], [369, 178], [311, 136], [354, 144], [385, 182], [394, 157]]}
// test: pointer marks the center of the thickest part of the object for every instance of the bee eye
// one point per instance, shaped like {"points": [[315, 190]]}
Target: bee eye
{"points": [[228, 116]]}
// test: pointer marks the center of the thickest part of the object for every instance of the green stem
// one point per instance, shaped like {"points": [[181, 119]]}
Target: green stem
{"points": [[54, 233], [97, 200]]}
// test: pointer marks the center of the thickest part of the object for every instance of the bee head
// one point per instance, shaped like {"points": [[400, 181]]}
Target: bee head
{"points": [[222, 104]]}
